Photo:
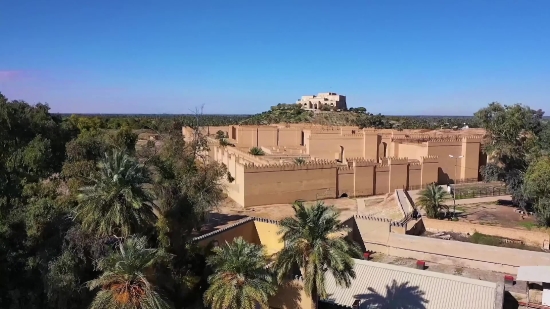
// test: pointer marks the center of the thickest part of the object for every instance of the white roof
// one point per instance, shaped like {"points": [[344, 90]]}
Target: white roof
{"points": [[388, 286], [534, 273]]}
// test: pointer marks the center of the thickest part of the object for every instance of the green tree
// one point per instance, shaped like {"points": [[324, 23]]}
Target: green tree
{"points": [[432, 199], [241, 278], [220, 134], [511, 141], [299, 161], [256, 151], [537, 188], [315, 243], [127, 280], [124, 140], [116, 202]]}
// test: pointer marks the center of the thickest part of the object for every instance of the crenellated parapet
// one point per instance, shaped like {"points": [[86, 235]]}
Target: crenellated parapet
{"points": [[277, 167], [345, 169], [445, 141], [398, 161], [473, 138], [429, 159], [361, 162]]}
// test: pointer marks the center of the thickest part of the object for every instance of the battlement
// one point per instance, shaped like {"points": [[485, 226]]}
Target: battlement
{"points": [[356, 135], [345, 169], [362, 161], [429, 159], [473, 138], [277, 167], [396, 160], [335, 135], [450, 140]]}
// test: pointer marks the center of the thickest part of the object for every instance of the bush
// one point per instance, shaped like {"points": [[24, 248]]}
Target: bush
{"points": [[255, 151]]}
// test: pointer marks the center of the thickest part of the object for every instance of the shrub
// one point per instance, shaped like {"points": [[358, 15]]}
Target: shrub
{"points": [[256, 151]]}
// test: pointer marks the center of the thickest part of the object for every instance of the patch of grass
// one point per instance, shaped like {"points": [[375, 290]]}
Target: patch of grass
{"points": [[528, 225], [483, 239], [459, 271]]}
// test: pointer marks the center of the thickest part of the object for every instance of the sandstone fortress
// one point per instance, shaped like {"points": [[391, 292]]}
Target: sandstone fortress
{"points": [[330, 99], [338, 161]]}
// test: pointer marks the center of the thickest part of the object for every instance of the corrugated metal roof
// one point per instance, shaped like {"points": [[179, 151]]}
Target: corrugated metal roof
{"points": [[534, 273], [388, 286]]}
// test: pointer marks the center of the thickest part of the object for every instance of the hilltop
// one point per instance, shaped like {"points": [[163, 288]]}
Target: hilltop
{"points": [[293, 113]]}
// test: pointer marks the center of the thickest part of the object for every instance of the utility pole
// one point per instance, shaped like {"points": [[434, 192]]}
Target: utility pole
{"points": [[454, 188]]}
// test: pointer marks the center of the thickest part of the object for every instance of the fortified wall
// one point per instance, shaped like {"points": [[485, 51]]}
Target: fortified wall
{"points": [[339, 161]]}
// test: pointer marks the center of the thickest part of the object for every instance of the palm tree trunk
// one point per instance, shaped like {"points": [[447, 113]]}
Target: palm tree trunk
{"points": [[314, 299]]}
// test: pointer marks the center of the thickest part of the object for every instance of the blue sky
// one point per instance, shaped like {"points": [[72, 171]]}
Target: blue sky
{"points": [[429, 57]]}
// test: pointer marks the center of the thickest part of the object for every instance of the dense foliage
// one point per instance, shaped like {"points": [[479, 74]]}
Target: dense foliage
{"points": [[91, 219], [82, 209], [280, 113], [518, 144], [241, 279], [359, 116], [432, 199], [314, 245]]}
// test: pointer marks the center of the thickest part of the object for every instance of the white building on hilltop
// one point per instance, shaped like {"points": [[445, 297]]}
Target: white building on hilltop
{"points": [[329, 99]]}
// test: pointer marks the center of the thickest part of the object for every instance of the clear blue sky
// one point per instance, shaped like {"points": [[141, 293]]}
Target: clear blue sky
{"points": [[427, 57]]}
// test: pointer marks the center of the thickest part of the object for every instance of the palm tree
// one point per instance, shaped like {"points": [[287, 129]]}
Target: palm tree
{"points": [[315, 242], [116, 202], [241, 277], [124, 283], [431, 200], [256, 151]]}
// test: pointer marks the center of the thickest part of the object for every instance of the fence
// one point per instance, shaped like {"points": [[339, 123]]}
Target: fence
{"points": [[457, 181], [464, 193]]}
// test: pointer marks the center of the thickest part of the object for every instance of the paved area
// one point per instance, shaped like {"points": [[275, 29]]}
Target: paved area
{"points": [[488, 199], [382, 206]]}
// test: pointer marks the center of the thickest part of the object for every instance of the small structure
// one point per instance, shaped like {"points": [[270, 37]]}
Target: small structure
{"points": [[536, 274]]}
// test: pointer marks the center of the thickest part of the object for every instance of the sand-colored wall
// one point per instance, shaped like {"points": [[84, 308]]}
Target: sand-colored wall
{"points": [[379, 235], [415, 175], [245, 230], [247, 137], [442, 149], [462, 254], [328, 146], [291, 295], [346, 181], [268, 237], [364, 179], [399, 173], [382, 179], [257, 182], [267, 136], [534, 238], [285, 184], [411, 151], [469, 163], [289, 137]]}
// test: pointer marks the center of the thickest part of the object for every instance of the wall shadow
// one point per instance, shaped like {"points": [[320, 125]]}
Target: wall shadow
{"points": [[288, 296], [217, 220], [397, 296], [510, 302], [442, 177]]}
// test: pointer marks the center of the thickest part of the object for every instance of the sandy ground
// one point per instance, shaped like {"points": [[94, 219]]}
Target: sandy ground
{"points": [[230, 212], [380, 206], [383, 206], [492, 210]]}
